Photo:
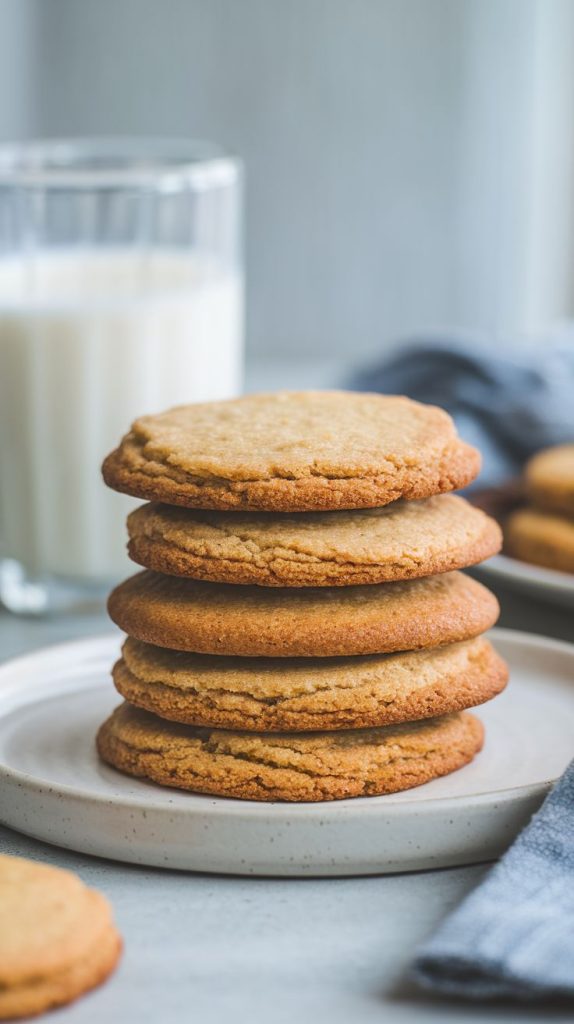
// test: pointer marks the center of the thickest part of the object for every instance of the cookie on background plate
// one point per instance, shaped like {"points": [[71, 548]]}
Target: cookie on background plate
{"points": [[541, 538], [404, 540], [57, 937], [218, 618], [266, 694], [288, 766], [292, 451], [550, 479]]}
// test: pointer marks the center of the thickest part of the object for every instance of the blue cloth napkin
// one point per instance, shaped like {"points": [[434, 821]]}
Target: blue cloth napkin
{"points": [[514, 935], [509, 400]]}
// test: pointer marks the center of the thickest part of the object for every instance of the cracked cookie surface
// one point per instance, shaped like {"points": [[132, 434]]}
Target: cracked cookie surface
{"points": [[404, 540], [292, 451], [218, 618], [288, 766], [57, 937], [265, 694]]}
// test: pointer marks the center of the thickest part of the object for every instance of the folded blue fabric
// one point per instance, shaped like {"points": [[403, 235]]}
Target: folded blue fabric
{"points": [[507, 400], [514, 935]]}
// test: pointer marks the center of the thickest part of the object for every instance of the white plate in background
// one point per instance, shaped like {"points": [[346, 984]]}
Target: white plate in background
{"points": [[534, 580], [53, 787]]}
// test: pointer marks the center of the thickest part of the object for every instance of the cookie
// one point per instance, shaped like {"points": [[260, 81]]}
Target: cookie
{"points": [[550, 479], [400, 541], [57, 937], [288, 766], [541, 538], [217, 618], [292, 452], [270, 695]]}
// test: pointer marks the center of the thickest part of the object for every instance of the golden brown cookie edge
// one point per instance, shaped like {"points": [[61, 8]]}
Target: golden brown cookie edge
{"points": [[483, 682], [163, 557], [461, 738], [459, 466], [451, 623], [30, 998]]}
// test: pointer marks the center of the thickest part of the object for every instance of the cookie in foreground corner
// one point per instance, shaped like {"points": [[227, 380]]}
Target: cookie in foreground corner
{"points": [[403, 540], [292, 451], [317, 694], [57, 938], [296, 767]]}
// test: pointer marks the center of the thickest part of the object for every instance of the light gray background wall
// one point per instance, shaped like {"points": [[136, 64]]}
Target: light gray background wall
{"points": [[390, 145]]}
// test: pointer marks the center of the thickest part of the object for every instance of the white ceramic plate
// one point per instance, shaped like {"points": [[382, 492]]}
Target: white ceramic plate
{"points": [[52, 785], [544, 584]]}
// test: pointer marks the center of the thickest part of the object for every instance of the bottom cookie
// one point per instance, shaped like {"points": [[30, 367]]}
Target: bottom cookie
{"points": [[288, 766]]}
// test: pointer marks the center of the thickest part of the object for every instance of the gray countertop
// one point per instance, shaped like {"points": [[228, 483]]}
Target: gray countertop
{"points": [[207, 948]]}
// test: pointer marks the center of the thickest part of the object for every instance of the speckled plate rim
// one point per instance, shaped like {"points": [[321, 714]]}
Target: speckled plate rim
{"points": [[512, 804]]}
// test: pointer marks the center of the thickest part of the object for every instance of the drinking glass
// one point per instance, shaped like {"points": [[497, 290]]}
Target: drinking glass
{"points": [[121, 293]]}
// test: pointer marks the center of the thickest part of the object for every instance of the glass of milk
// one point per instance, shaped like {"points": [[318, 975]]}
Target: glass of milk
{"points": [[121, 293]]}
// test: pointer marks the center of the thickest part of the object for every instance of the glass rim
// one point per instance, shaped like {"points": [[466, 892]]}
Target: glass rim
{"points": [[158, 163]]}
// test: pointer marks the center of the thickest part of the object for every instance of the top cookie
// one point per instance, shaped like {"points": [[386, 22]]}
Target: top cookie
{"points": [[550, 479], [293, 452]]}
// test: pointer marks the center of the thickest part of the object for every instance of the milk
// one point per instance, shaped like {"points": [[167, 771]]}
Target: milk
{"points": [[89, 340]]}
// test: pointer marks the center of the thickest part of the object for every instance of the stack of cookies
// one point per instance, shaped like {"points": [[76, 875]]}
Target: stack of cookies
{"points": [[301, 630], [543, 531]]}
